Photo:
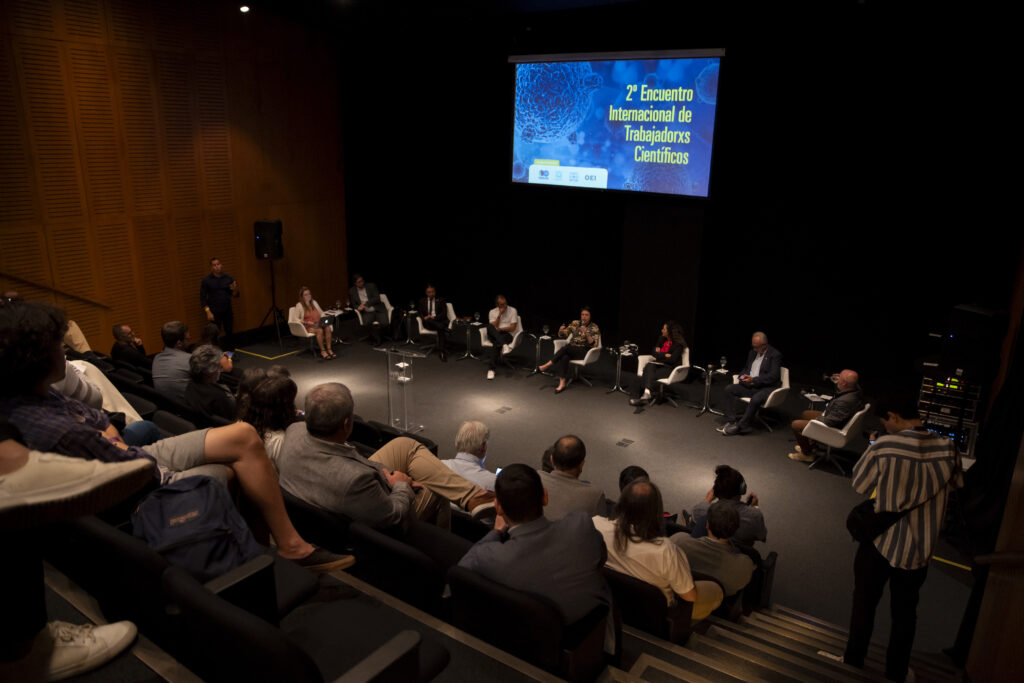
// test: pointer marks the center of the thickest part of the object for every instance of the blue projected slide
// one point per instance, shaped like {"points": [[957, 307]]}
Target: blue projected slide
{"points": [[643, 125]]}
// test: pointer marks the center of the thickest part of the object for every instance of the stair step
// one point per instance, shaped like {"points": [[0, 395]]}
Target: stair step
{"points": [[688, 660], [656, 670], [830, 633], [649, 668], [810, 667], [612, 674], [822, 640], [752, 663]]}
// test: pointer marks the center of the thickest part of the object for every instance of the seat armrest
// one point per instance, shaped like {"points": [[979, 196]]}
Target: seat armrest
{"points": [[395, 660], [250, 586], [819, 431]]}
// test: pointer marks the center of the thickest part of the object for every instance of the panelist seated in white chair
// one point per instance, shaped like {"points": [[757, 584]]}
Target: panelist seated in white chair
{"points": [[760, 377], [847, 401], [314, 322], [502, 322], [364, 297], [434, 316], [582, 335], [668, 354]]}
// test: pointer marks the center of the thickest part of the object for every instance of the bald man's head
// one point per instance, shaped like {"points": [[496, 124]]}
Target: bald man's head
{"points": [[848, 379]]}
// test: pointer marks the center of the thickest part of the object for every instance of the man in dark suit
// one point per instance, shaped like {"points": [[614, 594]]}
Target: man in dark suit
{"points": [[434, 313], [365, 298], [128, 348], [526, 551], [760, 377]]}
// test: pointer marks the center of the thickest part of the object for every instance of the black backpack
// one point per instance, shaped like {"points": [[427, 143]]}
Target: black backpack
{"points": [[194, 525]]}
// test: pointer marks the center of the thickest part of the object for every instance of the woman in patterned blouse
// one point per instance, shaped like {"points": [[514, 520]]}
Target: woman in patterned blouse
{"points": [[583, 335]]}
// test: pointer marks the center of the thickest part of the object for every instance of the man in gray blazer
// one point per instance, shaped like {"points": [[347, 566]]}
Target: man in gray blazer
{"points": [[319, 466], [560, 560], [566, 491]]}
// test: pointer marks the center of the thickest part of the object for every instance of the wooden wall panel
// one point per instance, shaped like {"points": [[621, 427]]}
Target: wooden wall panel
{"points": [[17, 202], [129, 23], [33, 17], [157, 283], [214, 138], [50, 128], [194, 264], [130, 152], [140, 130], [97, 130], [120, 279], [72, 260], [83, 20], [177, 114]]}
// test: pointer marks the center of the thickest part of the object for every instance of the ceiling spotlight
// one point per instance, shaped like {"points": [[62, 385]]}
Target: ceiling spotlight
{"points": [[243, 9]]}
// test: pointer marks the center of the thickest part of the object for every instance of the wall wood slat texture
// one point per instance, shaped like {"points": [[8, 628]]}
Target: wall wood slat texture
{"points": [[139, 139]]}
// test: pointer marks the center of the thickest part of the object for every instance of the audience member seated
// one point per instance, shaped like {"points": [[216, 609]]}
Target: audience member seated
{"points": [[668, 353], [471, 443], [319, 466], [42, 488], [211, 336], [637, 547], [270, 408], [760, 377], [312, 320], [729, 487], [31, 359], [502, 321], [86, 383], [560, 560], [712, 555], [847, 401], [582, 335], [128, 348], [203, 393], [545, 460], [171, 366], [566, 491]]}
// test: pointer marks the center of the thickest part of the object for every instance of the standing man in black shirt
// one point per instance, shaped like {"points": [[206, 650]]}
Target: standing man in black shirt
{"points": [[215, 295]]}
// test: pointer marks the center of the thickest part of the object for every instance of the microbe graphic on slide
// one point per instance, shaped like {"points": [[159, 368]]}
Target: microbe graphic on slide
{"points": [[707, 84], [657, 178], [518, 170], [552, 100]]}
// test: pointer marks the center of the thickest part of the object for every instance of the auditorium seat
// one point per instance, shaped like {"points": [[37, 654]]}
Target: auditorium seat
{"points": [[643, 606], [529, 626], [319, 642], [410, 564], [328, 530]]}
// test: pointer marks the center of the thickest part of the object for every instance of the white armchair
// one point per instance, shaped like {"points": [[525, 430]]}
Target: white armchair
{"points": [[679, 374], [298, 329], [424, 332], [387, 306], [775, 399], [506, 349], [593, 355], [830, 436]]}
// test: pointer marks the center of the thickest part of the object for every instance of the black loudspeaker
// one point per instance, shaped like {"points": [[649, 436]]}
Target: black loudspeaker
{"points": [[267, 239]]}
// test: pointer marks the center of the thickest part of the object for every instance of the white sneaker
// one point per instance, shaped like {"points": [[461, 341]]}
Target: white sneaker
{"points": [[647, 395], [77, 649], [490, 374], [51, 487]]}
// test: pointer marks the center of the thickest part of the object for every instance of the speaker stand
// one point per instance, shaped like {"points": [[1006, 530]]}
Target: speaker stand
{"points": [[274, 312]]}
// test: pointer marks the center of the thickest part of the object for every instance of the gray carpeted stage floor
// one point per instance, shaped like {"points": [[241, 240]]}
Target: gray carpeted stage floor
{"points": [[805, 510]]}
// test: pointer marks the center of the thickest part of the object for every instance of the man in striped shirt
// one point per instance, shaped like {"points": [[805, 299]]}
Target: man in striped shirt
{"points": [[912, 471]]}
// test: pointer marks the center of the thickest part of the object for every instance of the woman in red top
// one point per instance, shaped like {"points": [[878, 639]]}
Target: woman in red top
{"points": [[311, 313], [668, 353]]}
